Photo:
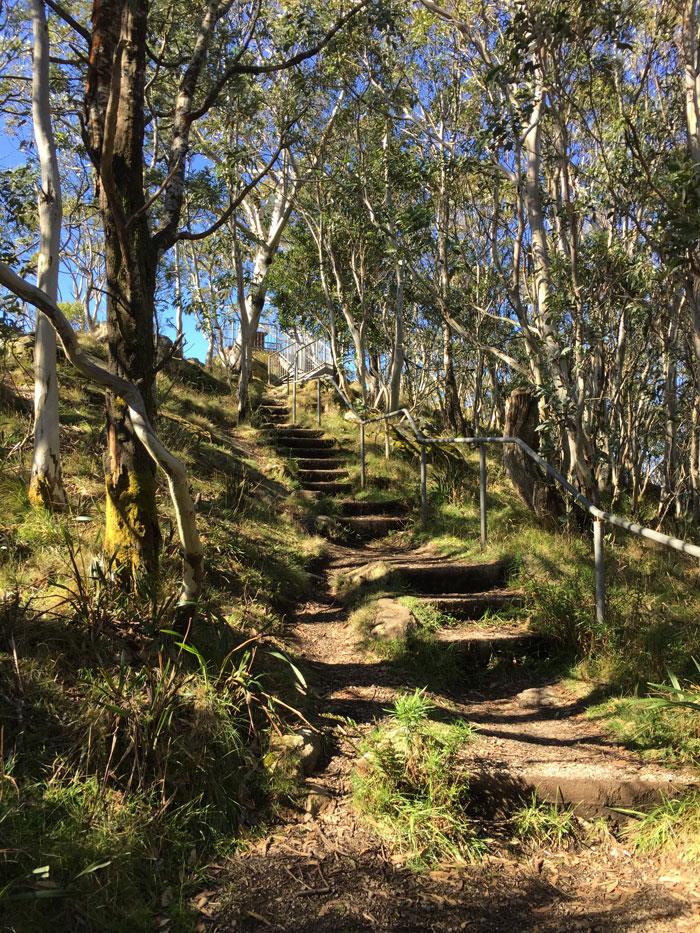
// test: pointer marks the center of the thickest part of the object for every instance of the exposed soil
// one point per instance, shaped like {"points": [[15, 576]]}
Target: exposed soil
{"points": [[325, 870], [322, 868]]}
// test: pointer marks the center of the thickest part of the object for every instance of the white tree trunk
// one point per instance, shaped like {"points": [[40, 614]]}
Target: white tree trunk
{"points": [[46, 485]]}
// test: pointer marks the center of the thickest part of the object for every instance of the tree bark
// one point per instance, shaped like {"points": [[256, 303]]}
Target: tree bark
{"points": [[521, 420], [46, 484], [137, 410], [114, 104], [453, 409]]}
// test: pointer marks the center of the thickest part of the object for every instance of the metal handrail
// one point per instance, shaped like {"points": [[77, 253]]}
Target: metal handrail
{"points": [[600, 516]]}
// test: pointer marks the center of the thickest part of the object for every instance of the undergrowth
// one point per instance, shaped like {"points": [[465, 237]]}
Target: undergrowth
{"points": [[664, 726], [542, 823], [420, 657], [131, 741], [652, 602], [673, 826], [410, 787]]}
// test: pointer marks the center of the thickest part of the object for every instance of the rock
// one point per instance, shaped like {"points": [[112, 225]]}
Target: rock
{"points": [[297, 751], [538, 697], [24, 345], [351, 416], [392, 620], [318, 801], [346, 583], [328, 526]]}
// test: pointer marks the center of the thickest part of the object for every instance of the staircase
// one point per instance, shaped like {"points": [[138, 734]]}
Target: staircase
{"points": [[533, 733], [320, 469]]}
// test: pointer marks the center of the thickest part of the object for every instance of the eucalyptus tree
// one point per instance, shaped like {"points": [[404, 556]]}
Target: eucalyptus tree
{"points": [[46, 484], [143, 61]]}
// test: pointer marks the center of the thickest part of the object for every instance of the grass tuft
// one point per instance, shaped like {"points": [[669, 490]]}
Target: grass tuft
{"points": [[543, 823], [410, 787], [672, 826]]}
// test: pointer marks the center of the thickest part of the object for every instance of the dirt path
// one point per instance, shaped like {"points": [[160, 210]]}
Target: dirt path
{"points": [[322, 869]]}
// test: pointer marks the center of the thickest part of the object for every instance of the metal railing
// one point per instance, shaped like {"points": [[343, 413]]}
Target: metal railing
{"points": [[600, 516], [299, 354]]}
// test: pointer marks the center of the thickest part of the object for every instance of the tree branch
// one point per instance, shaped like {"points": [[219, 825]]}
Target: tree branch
{"points": [[202, 234], [61, 11], [236, 68], [169, 464]]}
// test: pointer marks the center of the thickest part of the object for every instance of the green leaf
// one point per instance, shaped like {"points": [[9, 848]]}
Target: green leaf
{"points": [[297, 673]]}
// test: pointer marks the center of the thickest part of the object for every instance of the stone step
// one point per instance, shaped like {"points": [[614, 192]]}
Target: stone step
{"points": [[327, 487], [480, 644], [368, 527], [320, 463], [269, 408], [592, 789], [289, 430], [358, 507], [540, 740], [322, 475], [445, 578], [304, 444], [303, 453], [474, 605]]}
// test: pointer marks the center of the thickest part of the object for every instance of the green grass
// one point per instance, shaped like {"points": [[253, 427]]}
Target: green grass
{"points": [[411, 789], [672, 827], [130, 757], [542, 823], [652, 598], [420, 658], [659, 731], [428, 617]]}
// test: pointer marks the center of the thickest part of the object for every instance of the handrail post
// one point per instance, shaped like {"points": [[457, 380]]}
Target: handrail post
{"points": [[363, 471], [387, 440], [482, 495], [423, 484], [294, 393], [318, 402], [599, 556]]}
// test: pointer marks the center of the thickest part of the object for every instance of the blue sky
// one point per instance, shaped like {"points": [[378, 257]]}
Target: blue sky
{"points": [[196, 345]]}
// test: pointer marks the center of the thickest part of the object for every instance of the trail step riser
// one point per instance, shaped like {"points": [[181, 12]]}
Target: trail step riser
{"points": [[450, 579], [305, 443], [499, 791], [388, 507], [320, 463], [306, 453], [328, 488], [312, 476], [285, 434], [474, 607]]}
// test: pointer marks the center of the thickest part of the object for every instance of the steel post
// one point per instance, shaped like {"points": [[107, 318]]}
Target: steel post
{"points": [[294, 394], [599, 555], [482, 495], [363, 471]]}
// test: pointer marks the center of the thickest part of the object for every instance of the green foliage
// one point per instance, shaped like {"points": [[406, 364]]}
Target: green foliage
{"points": [[665, 726], [411, 788], [132, 739], [672, 826], [543, 823]]}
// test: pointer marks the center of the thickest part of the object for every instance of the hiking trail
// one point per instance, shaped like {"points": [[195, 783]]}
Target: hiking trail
{"points": [[322, 868]]}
